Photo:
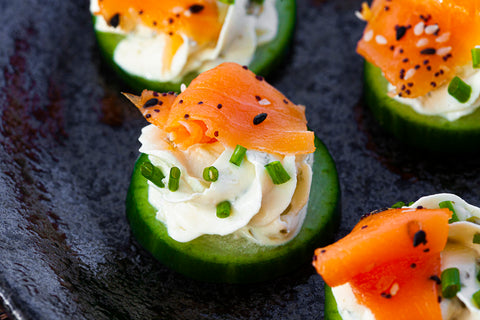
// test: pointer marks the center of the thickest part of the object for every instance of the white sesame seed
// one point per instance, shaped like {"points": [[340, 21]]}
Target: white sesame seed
{"points": [[410, 73], [183, 87], [264, 102], [381, 39], [368, 35], [422, 42], [443, 51], [394, 289], [418, 29], [443, 38], [359, 15], [431, 29], [444, 68], [187, 13], [176, 10]]}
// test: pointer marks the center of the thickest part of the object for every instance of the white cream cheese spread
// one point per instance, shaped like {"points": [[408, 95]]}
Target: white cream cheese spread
{"points": [[141, 52], [439, 102], [460, 252], [263, 212]]}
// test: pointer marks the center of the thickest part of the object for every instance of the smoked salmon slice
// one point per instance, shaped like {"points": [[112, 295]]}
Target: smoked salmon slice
{"points": [[232, 105], [419, 45], [391, 260]]}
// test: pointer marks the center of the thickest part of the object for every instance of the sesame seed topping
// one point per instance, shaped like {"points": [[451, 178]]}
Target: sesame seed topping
{"points": [[418, 29], [259, 118], [150, 103], [154, 23], [394, 289], [401, 50], [422, 42], [428, 51], [381, 39], [156, 110], [245, 67], [420, 237], [439, 299], [413, 265], [426, 62], [323, 251], [410, 84], [180, 102], [186, 116], [285, 101], [443, 51], [365, 226], [433, 84], [196, 8], [219, 106], [368, 36], [215, 133], [200, 102], [443, 38], [264, 102], [386, 295], [408, 92], [258, 98], [392, 48], [183, 87], [148, 115], [115, 20], [417, 67], [425, 18], [164, 94], [426, 250], [170, 20], [431, 29], [386, 8], [436, 279], [259, 78], [405, 60], [429, 68], [401, 30], [140, 12], [155, 93]]}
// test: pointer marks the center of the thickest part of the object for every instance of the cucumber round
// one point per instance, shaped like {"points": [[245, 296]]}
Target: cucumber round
{"points": [[331, 309], [266, 58], [427, 132], [227, 259]]}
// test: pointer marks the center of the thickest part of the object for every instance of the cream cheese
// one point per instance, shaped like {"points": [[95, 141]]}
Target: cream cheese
{"points": [[265, 213], [440, 103], [140, 53], [460, 252]]}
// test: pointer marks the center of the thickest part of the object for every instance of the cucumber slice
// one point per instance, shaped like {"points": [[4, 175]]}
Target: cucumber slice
{"points": [[331, 309], [427, 132], [266, 58], [225, 259]]}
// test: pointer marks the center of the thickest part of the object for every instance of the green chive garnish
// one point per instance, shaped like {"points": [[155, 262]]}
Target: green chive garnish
{"points": [[277, 172], [476, 57], [174, 179], [238, 155], [459, 90], [223, 209], [450, 282], [153, 174], [210, 174], [476, 238], [398, 205], [449, 206], [228, 1], [476, 298]]}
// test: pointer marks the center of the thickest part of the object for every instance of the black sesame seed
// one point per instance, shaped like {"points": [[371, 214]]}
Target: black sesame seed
{"points": [[156, 110], [401, 30], [259, 118], [154, 23], [385, 295], [170, 33], [285, 101], [433, 84], [400, 94], [392, 48], [258, 98], [200, 102], [155, 93], [170, 20], [314, 258], [419, 207], [115, 20], [441, 71], [413, 265], [439, 299], [429, 68], [419, 238], [405, 60], [259, 78], [150, 103], [426, 250], [171, 93], [181, 101], [426, 61], [186, 116], [437, 74], [401, 51], [140, 12], [160, 102], [164, 94], [215, 133], [428, 51], [365, 226], [436, 279], [323, 251], [417, 67], [408, 92], [148, 115], [245, 67], [219, 106], [196, 8], [403, 87], [410, 84]]}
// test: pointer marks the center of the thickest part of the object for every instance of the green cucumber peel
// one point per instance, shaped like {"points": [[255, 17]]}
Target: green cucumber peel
{"points": [[331, 308], [267, 57], [227, 259]]}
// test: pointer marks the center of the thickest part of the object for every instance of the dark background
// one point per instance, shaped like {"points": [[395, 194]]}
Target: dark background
{"points": [[68, 143]]}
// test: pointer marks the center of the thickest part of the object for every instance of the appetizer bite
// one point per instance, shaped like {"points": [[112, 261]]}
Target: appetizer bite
{"points": [[221, 189], [161, 44], [422, 80], [414, 262]]}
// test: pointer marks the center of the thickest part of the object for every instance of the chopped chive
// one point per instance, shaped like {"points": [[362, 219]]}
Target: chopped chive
{"points": [[223, 209], [174, 179], [228, 1], [449, 206], [476, 57], [476, 298], [459, 90], [398, 205], [238, 155], [410, 203], [152, 173], [450, 282], [476, 238], [210, 174], [277, 172]]}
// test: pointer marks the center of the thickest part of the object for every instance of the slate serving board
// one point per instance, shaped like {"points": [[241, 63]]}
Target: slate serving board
{"points": [[68, 143]]}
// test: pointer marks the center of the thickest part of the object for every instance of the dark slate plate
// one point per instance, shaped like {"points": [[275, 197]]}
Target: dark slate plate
{"points": [[68, 143]]}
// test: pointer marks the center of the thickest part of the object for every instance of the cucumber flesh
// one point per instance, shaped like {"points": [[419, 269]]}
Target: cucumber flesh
{"points": [[225, 259], [266, 58], [426, 132]]}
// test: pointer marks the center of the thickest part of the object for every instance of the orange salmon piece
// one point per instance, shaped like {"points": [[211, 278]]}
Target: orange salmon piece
{"points": [[420, 44]]}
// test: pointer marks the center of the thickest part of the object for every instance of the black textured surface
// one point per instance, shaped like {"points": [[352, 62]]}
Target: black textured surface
{"points": [[68, 143]]}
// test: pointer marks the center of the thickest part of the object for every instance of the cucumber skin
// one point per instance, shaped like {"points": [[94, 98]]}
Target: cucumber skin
{"points": [[266, 58], [433, 133], [219, 259], [331, 309]]}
